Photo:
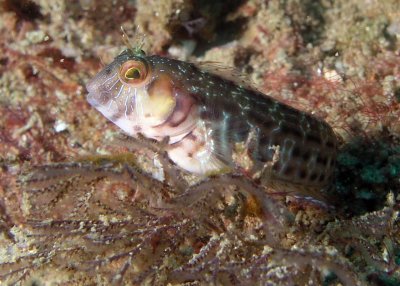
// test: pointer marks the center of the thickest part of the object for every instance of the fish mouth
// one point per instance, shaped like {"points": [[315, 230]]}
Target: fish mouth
{"points": [[98, 99], [103, 83], [90, 97], [103, 88], [91, 86]]}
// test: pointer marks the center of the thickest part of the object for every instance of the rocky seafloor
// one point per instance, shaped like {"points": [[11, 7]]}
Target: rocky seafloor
{"points": [[339, 60]]}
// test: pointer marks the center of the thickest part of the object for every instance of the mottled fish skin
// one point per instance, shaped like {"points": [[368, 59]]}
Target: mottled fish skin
{"points": [[210, 114]]}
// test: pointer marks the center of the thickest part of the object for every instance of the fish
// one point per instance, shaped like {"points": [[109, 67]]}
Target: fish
{"points": [[205, 116]]}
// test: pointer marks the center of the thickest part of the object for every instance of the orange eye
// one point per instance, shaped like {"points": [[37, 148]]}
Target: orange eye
{"points": [[134, 72]]}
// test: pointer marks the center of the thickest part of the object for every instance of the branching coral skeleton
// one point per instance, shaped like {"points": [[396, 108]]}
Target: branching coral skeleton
{"points": [[106, 216]]}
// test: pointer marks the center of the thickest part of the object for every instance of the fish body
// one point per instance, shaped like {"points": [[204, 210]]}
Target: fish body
{"points": [[205, 116]]}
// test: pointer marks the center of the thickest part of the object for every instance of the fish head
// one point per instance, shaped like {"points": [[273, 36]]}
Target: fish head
{"points": [[139, 95]]}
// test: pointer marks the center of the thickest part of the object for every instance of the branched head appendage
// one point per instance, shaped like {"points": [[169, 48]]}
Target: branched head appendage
{"points": [[134, 46]]}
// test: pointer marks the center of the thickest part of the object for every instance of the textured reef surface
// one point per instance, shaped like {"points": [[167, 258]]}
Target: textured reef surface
{"points": [[79, 204]]}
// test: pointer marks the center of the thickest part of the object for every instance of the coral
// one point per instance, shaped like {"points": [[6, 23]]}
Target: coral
{"points": [[108, 217], [107, 230], [372, 237]]}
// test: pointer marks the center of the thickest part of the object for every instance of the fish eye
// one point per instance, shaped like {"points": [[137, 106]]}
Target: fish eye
{"points": [[134, 72]]}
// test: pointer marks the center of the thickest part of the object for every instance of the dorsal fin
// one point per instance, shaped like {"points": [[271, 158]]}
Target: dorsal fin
{"points": [[226, 72]]}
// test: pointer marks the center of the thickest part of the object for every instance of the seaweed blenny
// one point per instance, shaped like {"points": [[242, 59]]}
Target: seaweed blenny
{"points": [[206, 117]]}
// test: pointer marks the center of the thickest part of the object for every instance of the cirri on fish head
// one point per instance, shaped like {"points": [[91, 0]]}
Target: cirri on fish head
{"points": [[206, 115]]}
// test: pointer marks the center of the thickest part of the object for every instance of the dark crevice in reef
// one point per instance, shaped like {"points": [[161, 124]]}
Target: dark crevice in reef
{"points": [[308, 19], [24, 9], [215, 29], [225, 33], [367, 170]]}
